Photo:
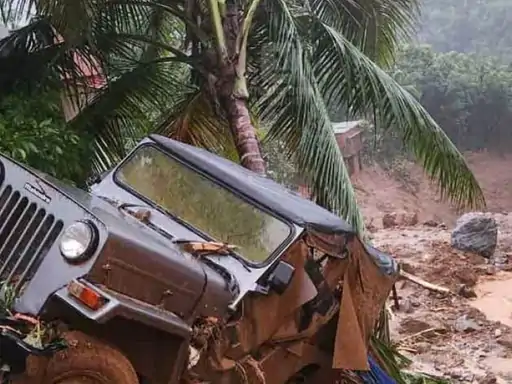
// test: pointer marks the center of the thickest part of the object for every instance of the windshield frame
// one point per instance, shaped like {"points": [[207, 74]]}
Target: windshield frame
{"points": [[207, 237]]}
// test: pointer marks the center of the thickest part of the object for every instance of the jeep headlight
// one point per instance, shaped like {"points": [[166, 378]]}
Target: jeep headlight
{"points": [[78, 242]]}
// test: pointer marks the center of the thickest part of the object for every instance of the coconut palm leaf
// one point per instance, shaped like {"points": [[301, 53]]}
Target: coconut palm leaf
{"points": [[121, 110], [296, 113], [34, 54], [346, 76], [317, 66], [195, 121], [376, 27], [139, 68]]}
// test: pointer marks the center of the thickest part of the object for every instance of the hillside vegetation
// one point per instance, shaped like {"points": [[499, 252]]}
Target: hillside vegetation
{"points": [[479, 26]]}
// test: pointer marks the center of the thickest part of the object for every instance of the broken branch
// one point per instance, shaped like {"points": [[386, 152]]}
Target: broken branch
{"points": [[422, 333], [423, 283]]}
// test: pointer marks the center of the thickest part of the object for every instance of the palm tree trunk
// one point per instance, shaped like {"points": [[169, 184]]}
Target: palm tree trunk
{"points": [[232, 88], [244, 134]]}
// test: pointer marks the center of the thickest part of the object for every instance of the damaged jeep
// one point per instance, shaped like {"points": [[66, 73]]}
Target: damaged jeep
{"points": [[179, 266]]}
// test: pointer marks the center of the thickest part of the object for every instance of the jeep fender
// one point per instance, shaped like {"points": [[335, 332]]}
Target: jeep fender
{"points": [[119, 306]]}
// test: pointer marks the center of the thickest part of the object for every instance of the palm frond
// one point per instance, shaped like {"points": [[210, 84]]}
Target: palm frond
{"points": [[294, 109], [36, 54], [376, 27], [25, 55], [347, 76], [139, 68], [195, 121], [121, 110]]}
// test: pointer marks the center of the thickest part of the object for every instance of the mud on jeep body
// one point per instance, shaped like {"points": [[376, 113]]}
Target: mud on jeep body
{"points": [[141, 272]]}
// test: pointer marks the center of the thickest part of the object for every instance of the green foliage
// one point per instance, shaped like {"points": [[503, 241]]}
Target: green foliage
{"points": [[480, 26], [469, 96], [33, 131], [301, 62]]}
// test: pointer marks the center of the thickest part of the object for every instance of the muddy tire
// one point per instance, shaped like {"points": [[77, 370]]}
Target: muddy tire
{"points": [[89, 361]]}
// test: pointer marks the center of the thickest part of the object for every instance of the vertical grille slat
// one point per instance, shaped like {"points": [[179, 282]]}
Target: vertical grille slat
{"points": [[30, 241], [3, 198], [27, 232], [25, 237], [37, 258], [8, 212], [7, 242]]}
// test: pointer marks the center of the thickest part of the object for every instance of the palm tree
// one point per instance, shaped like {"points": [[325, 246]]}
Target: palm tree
{"points": [[212, 70]]}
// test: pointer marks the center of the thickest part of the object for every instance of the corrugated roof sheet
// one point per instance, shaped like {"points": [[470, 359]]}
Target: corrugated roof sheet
{"points": [[345, 126]]}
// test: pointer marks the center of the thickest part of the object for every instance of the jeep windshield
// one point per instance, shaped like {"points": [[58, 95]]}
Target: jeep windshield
{"points": [[216, 212]]}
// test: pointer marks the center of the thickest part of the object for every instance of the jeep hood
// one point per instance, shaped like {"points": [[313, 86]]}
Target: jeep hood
{"points": [[131, 259]]}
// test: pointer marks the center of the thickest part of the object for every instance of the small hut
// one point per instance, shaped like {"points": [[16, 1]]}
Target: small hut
{"points": [[349, 137]]}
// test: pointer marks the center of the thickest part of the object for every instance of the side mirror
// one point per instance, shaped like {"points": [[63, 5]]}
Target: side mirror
{"points": [[281, 277]]}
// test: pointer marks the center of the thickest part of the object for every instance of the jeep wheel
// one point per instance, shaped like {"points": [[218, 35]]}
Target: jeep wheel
{"points": [[89, 361]]}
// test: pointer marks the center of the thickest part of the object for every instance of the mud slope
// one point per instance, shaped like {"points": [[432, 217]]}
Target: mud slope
{"points": [[408, 189], [466, 335]]}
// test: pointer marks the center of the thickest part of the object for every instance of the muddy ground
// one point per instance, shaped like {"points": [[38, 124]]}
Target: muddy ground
{"points": [[466, 335], [459, 336]]}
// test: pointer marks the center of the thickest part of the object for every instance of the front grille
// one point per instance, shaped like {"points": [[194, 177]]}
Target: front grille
{"points": [[27, 232]]}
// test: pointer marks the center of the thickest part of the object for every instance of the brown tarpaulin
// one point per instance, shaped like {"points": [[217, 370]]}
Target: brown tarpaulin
{"points": [[271, 319], [364, 293], [263, 315]]}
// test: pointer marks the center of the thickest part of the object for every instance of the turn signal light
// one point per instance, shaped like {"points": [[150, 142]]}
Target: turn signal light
{"points": [[86, 295]]}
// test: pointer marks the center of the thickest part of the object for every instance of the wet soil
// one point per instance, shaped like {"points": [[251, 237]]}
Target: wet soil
{"points": [[464, 336]]}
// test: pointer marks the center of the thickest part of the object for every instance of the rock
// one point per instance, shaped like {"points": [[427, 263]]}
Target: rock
{"points": [[477, 233], [422, 346], [467, 292], [396, 219], [389, 220], [431, 223], [411, 220], [406, 306], [505, 341], [467, 276], [456, 373], [407, 267], [463, 324], [414, 302], [497, 333], [410, 326], [488, 379]]}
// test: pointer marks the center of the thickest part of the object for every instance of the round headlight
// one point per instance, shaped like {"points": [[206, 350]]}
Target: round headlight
{"points": [[77, 241]]}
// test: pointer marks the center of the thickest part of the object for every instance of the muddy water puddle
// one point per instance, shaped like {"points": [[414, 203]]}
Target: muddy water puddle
{"points": [[495, 299]]}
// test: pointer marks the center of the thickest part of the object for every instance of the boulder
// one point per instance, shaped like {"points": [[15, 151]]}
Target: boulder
{"points": [[475, 232]]}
